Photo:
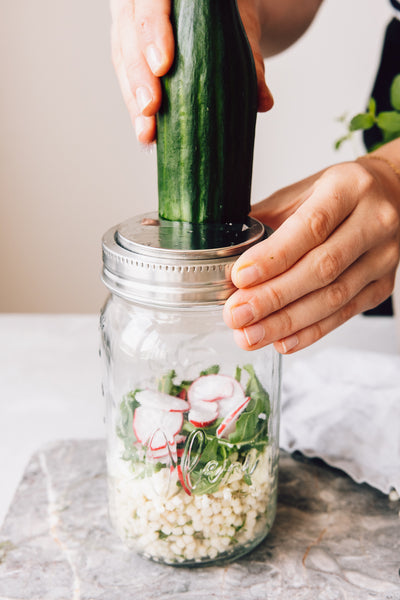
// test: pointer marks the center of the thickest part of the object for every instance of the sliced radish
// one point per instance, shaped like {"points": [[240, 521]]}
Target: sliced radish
{"points": [[158, 441], [203, 414], [147, 421], [229, 423], [180, 439], [183, 480], [210, 388], [228, 405], [161, 401], [159, 453], [165, 454]]}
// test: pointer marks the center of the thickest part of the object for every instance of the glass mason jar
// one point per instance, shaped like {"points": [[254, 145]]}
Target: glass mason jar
{"points": [[192, 420]]}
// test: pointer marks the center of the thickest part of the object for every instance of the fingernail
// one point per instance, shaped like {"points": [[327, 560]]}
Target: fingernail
{"points": [[140, 126], [246, 276], [254, 334], [242, 314], [143, 97], [289, 343], [154, 58]]}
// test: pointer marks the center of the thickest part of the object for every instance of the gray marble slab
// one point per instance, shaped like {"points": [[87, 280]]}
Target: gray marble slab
{"points": [[332, 540]]}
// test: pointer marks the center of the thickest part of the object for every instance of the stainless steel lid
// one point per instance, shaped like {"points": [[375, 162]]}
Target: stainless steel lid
{"points": [[166, 263]]}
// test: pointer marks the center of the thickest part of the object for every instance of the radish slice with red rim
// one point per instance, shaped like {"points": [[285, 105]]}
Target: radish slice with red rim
{"points": [[158, 453], [180, 438], [147, 421], [228, 405], [203, 414], [183, 480], [161, 401], [228, 425], [158, 441], [209, 388]]}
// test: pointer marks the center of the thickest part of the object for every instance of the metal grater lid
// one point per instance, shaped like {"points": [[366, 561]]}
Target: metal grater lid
{"points": [[168, 263]]}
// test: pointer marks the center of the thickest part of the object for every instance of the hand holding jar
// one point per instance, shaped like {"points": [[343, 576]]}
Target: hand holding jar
{"points": [[333, 255]]}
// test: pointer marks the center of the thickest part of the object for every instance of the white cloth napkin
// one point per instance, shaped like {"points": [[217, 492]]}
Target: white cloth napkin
{"points": [[343, 406]]}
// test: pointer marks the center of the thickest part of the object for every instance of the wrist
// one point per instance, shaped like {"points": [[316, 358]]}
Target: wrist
{"points": [[377, 156], [384, 167]]}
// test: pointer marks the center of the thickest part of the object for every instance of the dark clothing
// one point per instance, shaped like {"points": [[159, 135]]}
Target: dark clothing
{"points": [[389, 67]]}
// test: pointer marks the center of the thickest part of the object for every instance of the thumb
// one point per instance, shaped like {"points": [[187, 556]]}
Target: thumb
{"points": [[265, 99], [251, 23]]}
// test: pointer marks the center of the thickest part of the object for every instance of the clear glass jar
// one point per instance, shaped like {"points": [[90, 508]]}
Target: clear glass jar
{"points": [[192, 419]]}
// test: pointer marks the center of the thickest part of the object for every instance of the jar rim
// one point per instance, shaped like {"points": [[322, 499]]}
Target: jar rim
{"points": [[165, 263]]}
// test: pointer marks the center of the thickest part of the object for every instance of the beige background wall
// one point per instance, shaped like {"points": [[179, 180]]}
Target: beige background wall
{"points": [[70, 166]]}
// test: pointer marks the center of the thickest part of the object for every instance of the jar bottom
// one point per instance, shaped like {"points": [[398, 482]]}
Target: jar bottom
{"points": [[194, 530], [222, 559]]}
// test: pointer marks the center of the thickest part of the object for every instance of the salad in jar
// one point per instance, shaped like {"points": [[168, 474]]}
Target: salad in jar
{"points": [[192, 475]]}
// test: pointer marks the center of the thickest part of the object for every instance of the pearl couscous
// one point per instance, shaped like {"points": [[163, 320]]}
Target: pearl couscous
{"points": [[155, 516]]}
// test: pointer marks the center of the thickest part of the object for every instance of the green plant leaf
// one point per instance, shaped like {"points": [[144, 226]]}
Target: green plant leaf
{"points": [[340, 141], [210, 467], [389, 121], [342, 119], [166, 384], [252, 424], [389, 136], [246, 428], [213, 370], [125, 429], [362, 121], [257, 393], [372, 107], [238, 374], [376, 146], [395, 93]]}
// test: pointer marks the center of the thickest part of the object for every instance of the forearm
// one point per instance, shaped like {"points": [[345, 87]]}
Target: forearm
{"points": [[284, 22]]}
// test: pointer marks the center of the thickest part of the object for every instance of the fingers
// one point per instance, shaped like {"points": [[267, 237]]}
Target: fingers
{"points": [[319, 213], [336, 254], [265, 98], [251, 22], [154, 32], [315, 270], [143, 50], [302, 322], [372, 295], [145, 126]]}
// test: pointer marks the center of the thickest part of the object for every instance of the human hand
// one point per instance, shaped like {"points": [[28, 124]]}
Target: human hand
{"points": [[142, 46], [333, 254]]}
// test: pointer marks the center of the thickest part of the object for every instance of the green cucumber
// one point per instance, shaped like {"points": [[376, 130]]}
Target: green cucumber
{"points": [[206, 124]]}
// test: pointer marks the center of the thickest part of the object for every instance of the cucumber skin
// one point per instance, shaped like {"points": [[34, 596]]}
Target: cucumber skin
{"points": [[206, 123]]}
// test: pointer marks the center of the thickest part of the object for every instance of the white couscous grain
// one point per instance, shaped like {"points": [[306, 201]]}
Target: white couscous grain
{"points": [[176, 527]]}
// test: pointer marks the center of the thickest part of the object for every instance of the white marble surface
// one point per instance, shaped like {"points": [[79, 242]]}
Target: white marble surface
{"points": [[332, 540], [50, 381]]}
